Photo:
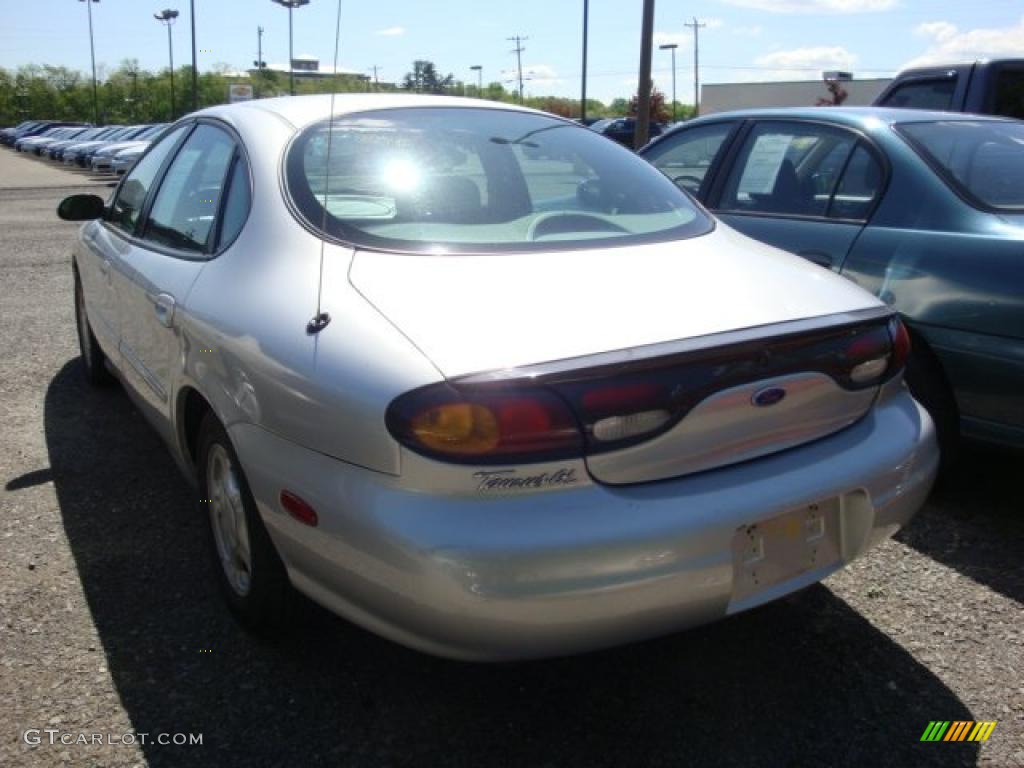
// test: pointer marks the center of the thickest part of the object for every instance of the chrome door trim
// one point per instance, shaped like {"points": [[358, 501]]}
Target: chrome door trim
{"points": [[144, 373]]}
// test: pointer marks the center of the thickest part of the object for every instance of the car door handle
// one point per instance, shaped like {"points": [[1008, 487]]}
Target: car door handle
{"points": [[163, 306], [105, 266], [820, 258]]}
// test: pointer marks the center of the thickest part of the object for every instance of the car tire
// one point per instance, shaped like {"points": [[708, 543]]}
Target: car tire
{"points": [[250, 573], [927, 382], [94, 361]]}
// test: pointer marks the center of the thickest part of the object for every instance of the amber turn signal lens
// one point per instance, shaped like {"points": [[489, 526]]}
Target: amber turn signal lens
{"points": [[464, 428]]}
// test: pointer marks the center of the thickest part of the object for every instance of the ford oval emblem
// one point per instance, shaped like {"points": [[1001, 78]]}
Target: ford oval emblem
{"points": [[768, 396]]}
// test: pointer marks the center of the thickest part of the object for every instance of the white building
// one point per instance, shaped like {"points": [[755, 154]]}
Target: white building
{"points": [[723, 97]]}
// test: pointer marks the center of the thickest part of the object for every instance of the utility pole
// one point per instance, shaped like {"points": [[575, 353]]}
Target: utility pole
{"points": [[478, 68], [92, 54], [518, 51], [583, 79], [696, 26], [643, 93], [195, 66], [376, 82]]}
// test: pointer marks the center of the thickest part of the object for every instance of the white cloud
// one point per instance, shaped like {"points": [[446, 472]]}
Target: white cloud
{"points": [[391, 31], [816, 6], [541, 75], [947, 44], [804, 63]]}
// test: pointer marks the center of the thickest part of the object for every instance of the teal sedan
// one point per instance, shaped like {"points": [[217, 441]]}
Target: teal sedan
{"points": [[923, 209]]}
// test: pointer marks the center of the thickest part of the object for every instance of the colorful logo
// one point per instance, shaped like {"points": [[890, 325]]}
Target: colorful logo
{"points": [[958, 730]]}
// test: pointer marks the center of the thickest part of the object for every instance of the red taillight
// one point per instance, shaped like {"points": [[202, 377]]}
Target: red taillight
{"points": [[628, 397], [298, 508], [485, 424], [900, 345]]}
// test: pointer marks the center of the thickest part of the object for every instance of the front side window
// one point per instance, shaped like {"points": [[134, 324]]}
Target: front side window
{"points": [[983, 160], [186, 205], [479, 180], [131, 196], [686, 156], [923, 94], [787, 168]]}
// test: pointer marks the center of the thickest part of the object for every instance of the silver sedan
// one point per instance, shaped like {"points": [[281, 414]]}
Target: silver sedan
{"points": [[484, 382]]}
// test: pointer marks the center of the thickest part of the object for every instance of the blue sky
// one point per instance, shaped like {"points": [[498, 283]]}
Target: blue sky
{"points": [[746, 40]]}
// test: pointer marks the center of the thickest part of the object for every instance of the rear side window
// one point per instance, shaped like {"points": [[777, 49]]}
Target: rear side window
{"points": [[1009, 97], [859, 187], [982, 160], [185, 209], [131, 196], [923, 94], [236, 206], [472, 180]]}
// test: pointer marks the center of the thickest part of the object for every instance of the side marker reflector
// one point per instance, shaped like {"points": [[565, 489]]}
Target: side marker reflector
{"points": [[298, 508]]}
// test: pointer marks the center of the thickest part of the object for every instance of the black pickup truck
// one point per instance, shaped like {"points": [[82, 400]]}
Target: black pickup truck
{"points": [[992, 87]]}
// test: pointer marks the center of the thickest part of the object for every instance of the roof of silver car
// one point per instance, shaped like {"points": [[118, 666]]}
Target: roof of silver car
{"points": [[303, 110]]}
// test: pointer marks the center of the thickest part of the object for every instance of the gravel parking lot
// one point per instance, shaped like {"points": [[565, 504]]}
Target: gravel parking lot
{"points": [[109, 623]]}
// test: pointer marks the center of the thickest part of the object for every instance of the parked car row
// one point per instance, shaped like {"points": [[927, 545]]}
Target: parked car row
{"points": [[107, 149]]}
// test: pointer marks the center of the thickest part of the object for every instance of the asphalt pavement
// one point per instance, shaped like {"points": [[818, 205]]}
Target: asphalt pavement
{"points": [[110, 626]]}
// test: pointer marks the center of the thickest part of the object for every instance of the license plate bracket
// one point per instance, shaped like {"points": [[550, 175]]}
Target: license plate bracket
{"points": [[770, 552]]}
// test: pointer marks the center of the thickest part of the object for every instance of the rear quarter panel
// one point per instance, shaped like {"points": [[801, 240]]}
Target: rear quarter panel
{"points": [[957, 274]]}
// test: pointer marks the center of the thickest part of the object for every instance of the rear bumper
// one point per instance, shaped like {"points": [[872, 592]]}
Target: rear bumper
{"points": [[556, 572]]}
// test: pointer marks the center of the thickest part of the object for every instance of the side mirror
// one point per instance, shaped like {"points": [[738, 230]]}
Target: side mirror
{"points": [[81, 208]]}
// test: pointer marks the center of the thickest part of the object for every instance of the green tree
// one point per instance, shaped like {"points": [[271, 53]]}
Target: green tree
{"points": [[424, 78]]}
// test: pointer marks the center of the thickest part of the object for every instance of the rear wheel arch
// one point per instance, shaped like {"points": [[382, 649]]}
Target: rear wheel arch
{"points": [[192, 409], [928, 382]]}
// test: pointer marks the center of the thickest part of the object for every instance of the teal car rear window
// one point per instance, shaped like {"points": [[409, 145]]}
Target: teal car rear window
{"points": [[983, 160]]}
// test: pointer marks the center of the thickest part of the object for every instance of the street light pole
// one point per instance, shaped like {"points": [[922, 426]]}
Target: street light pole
{"points": [[167, 17], [291, 5], [479, 80], [92, 54], [672, 47]]}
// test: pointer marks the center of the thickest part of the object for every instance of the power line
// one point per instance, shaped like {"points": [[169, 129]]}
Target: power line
{"points": [[518, 51]]}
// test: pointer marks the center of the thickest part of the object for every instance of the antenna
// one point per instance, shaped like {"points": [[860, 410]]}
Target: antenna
{"points": [[321, 319]]}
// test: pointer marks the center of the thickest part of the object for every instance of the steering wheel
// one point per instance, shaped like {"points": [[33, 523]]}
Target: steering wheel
{"points": [[687, 182], [559, 222]]}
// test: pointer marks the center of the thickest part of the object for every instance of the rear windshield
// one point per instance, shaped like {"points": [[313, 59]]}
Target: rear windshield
{"points": [[447, 179], [983, 160]]}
